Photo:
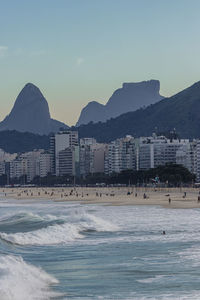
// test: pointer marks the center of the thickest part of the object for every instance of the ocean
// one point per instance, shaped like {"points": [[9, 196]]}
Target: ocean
{"points": [[51, 250]]}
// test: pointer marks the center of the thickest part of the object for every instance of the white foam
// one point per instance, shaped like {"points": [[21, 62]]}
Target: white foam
{"points": [[56, 234], [171, 296], [23, 216], [98, 224], [76, 222], [151, 279], [22, 281]]}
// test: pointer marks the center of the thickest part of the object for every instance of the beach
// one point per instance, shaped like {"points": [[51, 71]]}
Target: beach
{"points": [[114, 196]]}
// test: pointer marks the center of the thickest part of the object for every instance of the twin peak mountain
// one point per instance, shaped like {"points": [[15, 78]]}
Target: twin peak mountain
{"points": [[30, 112]]}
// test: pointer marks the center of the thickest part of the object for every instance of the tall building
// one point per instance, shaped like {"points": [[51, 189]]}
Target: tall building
{"points": [[196, 155], [92, 156], [18, 167], [85, 160], [185, 156], [61, 144], [97, 158], [2, 167], [146, 156], [85, 155], [32, 159], [43, 164], [121, 155]]}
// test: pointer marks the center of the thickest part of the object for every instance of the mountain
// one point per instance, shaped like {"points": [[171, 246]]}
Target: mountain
{"points": [[12, 141], [130, 97], [181, 111], [30, 113]]}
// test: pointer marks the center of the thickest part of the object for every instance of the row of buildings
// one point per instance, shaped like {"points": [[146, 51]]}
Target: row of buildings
{"points": [[25, 165], [70, 156]]}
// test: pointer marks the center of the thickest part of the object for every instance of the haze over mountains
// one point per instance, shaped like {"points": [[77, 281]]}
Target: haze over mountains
{"points": [[130, 97], [30, 113]]}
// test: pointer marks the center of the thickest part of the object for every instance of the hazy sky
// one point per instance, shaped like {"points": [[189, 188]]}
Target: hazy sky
{"points": [[76, 51]]}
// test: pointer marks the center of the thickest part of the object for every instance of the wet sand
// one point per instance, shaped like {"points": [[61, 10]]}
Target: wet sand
{"points": [[166, 197]]}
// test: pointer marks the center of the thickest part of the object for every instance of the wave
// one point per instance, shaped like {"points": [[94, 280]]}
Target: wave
{"points": [[94, 223], [72, 229], [19, 217], [26, 217], [21, 281], [51, 235], [26, 221]]}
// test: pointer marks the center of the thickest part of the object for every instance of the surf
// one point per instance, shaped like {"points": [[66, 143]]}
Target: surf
{"points": [[21, 281]]}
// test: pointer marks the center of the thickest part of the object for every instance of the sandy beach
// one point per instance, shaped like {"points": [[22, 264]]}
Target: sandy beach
{"points": [[165, 197]]}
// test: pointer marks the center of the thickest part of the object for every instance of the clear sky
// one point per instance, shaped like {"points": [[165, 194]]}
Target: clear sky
{"points": [[76, 51]]}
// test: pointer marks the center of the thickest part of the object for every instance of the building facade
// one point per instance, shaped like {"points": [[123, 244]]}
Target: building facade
{"points": [[61, 145]]}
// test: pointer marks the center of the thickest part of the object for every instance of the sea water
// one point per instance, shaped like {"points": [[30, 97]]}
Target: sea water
{"points": [[66, 250]]}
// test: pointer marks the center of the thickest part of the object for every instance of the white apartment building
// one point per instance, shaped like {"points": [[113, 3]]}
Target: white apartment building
{"points": [[158, 150], [30, 164], [59, 144], [6, 157], [18, 167], [43, 164], [121, 155]]}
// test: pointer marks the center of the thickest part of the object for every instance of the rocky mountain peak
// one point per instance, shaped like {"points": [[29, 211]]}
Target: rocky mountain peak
{"points": [[31, 113], [130, 97]]}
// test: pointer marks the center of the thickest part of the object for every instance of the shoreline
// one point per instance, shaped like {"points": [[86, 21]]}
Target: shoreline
{"points": [[112, 196]]}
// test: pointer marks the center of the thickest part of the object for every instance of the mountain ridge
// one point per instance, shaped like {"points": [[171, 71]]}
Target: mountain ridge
{"points": [[181, 111], [130, 97]]}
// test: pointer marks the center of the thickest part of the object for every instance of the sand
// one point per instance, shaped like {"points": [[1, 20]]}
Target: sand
{"points": [[109, 195]]}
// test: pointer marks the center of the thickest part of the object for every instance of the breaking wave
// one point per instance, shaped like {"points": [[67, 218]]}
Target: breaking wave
{"points": [[53, 230], [26, 221], [51, 235], [21, 281]]}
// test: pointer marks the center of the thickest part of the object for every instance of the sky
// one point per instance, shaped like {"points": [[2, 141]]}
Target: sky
{"points": [[78, 51]]}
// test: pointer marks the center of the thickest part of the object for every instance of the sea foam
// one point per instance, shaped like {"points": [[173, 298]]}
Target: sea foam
{"points": [[72, 229], [21, 281], [51, 235]]}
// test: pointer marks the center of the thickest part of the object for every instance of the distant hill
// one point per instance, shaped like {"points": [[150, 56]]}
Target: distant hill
{"points": [[30, 113], [14, 142], [181, 111], [130, 97]]}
